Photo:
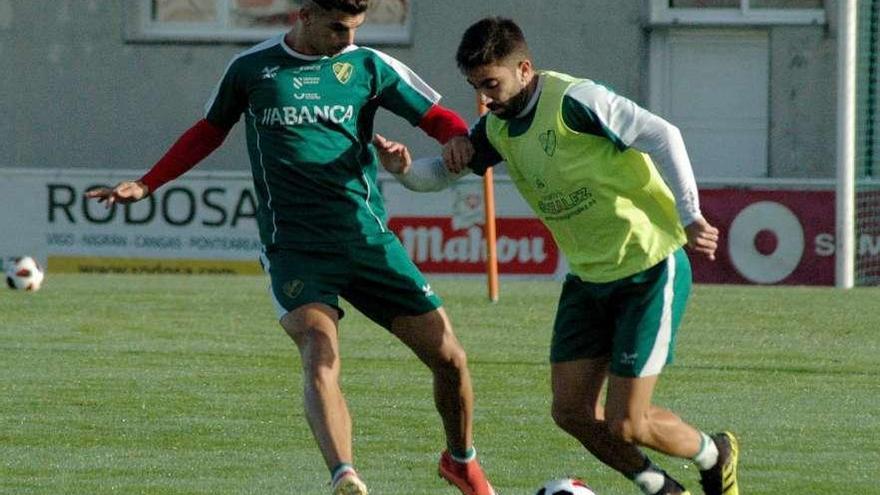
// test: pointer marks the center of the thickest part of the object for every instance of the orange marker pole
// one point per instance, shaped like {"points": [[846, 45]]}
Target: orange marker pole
{"points": [[489, 226]]}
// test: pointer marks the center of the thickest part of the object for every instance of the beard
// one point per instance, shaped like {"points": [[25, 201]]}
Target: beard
{"points": [[514, 105]]}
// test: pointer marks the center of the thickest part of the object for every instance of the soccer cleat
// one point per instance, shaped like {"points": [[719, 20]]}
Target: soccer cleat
{"points": [[349, 484], [467, 477], [672, 487], [721, 478]]}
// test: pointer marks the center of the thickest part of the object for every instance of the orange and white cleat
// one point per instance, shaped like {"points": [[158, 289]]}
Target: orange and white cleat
{"points": [[466, 476]]}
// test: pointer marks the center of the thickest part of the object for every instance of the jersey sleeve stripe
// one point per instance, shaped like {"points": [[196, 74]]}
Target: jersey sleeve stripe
{"points": [[256, 48], [411, 78]]}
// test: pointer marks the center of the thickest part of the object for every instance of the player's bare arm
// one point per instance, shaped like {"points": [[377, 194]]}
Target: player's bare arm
{"points": [[124, 192], [702, 237], [458, 153]]}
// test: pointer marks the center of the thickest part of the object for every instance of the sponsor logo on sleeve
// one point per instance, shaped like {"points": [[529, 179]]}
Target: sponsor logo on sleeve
{"points": [[293, 288]]}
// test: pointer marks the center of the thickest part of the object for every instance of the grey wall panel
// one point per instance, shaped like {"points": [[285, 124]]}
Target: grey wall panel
{"points": [[74, 93], [802, 102]]}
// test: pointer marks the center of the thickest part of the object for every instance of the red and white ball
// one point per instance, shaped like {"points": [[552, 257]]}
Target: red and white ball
{"points": [[565, 486], [24, 274]]}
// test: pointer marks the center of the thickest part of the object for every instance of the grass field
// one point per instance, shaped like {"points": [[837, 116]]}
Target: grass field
{"points": [[173, 385]]}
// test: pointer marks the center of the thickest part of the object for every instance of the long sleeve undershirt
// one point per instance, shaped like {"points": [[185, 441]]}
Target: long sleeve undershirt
{"points": [[592, 109]]}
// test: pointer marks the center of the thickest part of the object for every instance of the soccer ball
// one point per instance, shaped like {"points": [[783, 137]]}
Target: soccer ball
{"points": [[24, 274], [566, 486]]}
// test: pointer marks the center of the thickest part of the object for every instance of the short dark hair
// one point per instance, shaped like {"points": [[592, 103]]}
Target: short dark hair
{"points": [[353, 7], [488, 41]]}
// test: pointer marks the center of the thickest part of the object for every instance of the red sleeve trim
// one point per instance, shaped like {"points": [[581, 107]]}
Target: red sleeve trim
{"points": [[443, 124], [193, 146]]}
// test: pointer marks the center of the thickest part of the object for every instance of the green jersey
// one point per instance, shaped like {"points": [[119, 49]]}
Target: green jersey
{"points": [[605, 203], [309, 125]]}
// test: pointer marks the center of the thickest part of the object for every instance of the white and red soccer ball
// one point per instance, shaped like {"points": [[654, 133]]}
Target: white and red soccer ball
{"points": [[565, 486], [24, 273]]}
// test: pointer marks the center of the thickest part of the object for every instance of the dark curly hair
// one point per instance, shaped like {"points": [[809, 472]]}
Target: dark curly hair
{"points": [[353, 7], [490, 40]]}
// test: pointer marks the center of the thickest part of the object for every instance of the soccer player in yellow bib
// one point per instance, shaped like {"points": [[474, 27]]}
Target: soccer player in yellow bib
{"points": [[614, 185]]}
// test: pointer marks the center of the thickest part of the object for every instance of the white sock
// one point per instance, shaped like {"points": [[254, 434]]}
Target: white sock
{"points": [[342, 471], [708, 454], [650, 481]]}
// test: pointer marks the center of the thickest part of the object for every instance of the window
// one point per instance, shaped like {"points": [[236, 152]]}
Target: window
{"points": [[752, 4], [388, 21], [714, 85], [736, 12]]}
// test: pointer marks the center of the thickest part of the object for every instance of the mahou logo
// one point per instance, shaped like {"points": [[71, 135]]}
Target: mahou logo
{"points": [[524, 246]]}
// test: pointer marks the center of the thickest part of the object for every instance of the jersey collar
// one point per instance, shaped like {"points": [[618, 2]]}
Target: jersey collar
{"points": [[293, 53]]}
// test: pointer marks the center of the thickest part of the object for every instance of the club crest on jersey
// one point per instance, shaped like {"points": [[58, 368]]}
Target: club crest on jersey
{"points": [[343, 71], [548, 142], [293, 288]]}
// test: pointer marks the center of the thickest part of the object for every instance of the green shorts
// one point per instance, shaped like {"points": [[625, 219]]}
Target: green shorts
{"points": [[375, 275], [633, 320]]}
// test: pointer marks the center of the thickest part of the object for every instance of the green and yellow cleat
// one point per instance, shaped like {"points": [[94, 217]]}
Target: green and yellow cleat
{"points": [[721, 478]]}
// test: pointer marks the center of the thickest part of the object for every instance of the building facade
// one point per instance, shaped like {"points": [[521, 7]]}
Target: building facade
{"points": [[110, 83]]}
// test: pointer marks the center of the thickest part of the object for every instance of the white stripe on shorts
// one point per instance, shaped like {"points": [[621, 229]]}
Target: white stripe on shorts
{"points": [[660, 351], [279, 309]]}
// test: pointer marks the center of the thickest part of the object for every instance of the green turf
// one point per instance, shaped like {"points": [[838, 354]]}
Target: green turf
{"points": [[173, 385]]}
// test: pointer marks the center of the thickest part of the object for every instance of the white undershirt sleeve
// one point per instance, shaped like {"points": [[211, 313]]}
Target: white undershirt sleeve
{"points": [[630, 125], [429, 175], [662, 141]]}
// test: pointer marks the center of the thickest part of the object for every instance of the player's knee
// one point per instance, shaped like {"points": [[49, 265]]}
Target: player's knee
{"points": [[309, 323], [564, 418], [571, 418], [431, 337], [451, 359], [317, 351], [449, 355], [322, 378]]}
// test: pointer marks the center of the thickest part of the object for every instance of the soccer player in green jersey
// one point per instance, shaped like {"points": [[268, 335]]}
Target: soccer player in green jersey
{"points": [[309, 98], [614, 185]]}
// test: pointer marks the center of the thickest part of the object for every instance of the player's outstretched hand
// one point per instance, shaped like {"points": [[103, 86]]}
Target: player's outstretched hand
{"points": [[457, 153], [394, 156], [124, 192], [702, 238]]}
